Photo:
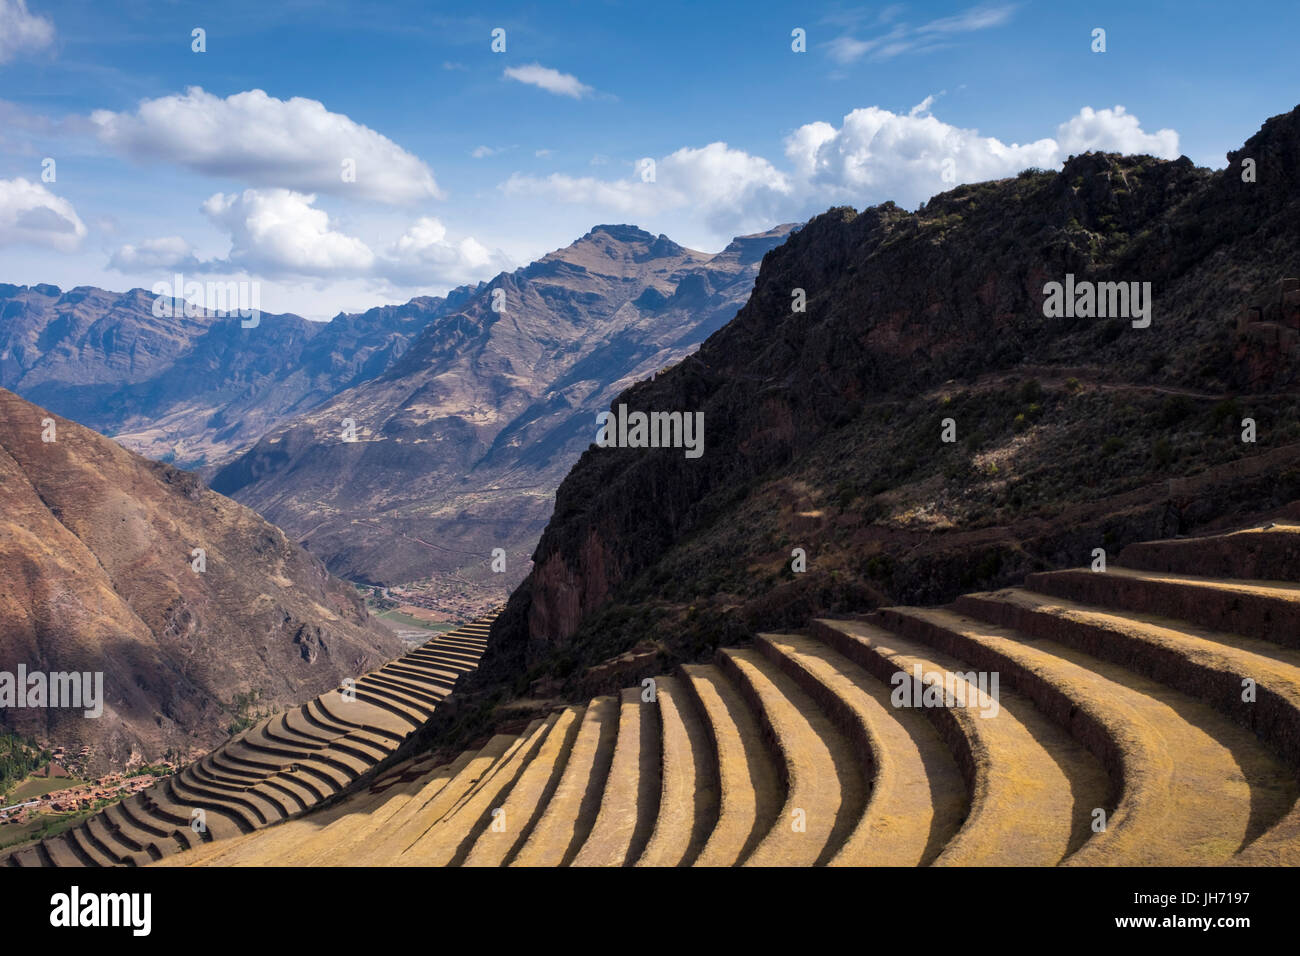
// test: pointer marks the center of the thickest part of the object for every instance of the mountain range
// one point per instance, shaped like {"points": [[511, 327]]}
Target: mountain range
{"points": [[461, 442], [192, 390], [403, 444]]}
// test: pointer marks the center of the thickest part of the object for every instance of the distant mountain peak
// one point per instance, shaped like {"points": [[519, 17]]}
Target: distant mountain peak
{"points": [[622, 232], [477, 405], [620, 247]]}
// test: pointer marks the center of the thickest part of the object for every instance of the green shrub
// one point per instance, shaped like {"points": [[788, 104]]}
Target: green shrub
{"points": [[878, 566], [1225, 411]]}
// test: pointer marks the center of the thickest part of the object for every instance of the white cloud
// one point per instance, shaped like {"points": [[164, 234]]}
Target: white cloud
{"points": [[31, 214], [1113, 131], [293, 144], [21, 30], [874, 155], [923, 107], [728, 187], [278, 232], [877, 155], [803, 146], [169, 252], [927, 37], [846, 49], [482, 152], [974, 18], [553, 81], [425, 256]]}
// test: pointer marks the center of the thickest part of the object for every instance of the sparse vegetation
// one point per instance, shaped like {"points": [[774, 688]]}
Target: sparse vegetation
{"points": [[245, 710], [19, 757]]}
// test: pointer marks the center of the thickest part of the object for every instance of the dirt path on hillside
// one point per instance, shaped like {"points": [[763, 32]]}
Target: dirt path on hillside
{"points": [[1089, 512], [1087, 376]]}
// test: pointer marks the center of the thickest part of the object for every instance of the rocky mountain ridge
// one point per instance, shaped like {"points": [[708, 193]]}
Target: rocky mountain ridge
{"points": [[189, 389], [460, 443]]}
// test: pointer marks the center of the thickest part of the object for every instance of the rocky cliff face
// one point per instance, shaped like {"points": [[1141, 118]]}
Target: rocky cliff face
{"points": [[460, 444], [101, 575], [825, 428], [192, 390]]}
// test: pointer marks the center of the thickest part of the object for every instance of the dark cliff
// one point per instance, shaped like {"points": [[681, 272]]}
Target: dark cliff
{"points": [[823, 427]]}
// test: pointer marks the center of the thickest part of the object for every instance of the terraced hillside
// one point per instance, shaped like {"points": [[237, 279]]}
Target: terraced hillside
{"points": [[1146, 714], [277, 769]]}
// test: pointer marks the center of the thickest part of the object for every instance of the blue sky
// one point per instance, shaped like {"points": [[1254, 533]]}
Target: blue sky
{"points": [[228, 162]]}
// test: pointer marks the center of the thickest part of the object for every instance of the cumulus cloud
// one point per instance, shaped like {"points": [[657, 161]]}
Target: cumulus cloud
{"points": [[873, 155], [730, 188], [553, 81], [279, 232], [32, 215], [877, 155], [294, 144], [22, 31], [425, 255], [169, 252], [1113, 131]]}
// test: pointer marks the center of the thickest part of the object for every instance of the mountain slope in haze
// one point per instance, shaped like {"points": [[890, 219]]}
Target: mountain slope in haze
{"points": [[97, 559], [192, 390], [461, 443], [825, 429]]}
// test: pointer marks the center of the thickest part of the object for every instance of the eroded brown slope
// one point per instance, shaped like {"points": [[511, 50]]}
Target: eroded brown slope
{"points": [[96, 556]]}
